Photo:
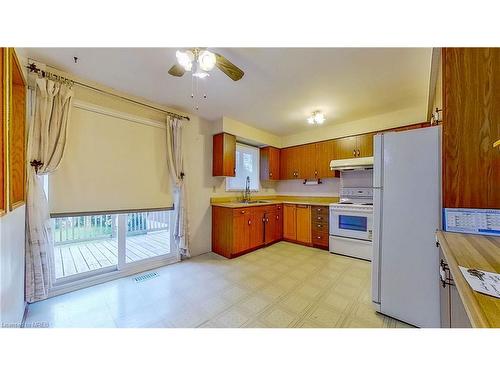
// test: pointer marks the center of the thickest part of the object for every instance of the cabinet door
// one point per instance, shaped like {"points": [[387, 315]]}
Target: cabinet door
{"points": [[257, 223], [241, 233], [308, 162], [278, 229], [294, 161], [365, 145], [287, 163], [269, 163], [346, 147], [289, 222], [458, 315], [325, 152], [224, 155], [304, 223], [274, 163], [270, 226]]}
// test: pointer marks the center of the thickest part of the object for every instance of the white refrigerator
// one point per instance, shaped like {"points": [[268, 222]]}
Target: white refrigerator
{"points": [[406, 215]]}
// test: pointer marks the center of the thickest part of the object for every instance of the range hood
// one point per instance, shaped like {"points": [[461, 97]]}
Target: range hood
{"points": [[349, 164]]}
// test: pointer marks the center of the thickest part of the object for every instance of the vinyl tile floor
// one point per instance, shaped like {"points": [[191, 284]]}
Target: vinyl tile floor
{"points": [[283, 285]]}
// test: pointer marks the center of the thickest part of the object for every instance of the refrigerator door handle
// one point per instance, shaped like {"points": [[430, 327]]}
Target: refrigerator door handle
{"points": [[377, 232]]}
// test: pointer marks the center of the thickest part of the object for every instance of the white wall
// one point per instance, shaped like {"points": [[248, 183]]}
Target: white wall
{"points": [[329, 188], [12, 267]]}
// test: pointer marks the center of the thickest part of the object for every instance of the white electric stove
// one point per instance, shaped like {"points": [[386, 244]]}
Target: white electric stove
{"points": [[351, 223]]}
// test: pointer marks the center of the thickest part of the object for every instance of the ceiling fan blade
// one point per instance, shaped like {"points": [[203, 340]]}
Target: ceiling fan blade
{"points": [[231, 70], [176, 70]]}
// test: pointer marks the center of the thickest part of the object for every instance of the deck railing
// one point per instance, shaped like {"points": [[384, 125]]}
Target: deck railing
{"points": [[94, 227]]}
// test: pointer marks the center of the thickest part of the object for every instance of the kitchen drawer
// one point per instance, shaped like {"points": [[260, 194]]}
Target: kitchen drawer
{"points": [[320, 210], [320, 218], [320, 227], [320, 238], [241, 211]]}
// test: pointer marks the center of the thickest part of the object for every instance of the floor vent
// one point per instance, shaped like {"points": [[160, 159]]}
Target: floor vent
{"points": [[145, 277]]}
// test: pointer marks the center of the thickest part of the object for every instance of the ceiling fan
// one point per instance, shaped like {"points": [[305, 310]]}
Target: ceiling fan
{"points": [[201, 61]]}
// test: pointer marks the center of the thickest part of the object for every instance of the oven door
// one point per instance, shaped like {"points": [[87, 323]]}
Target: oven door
{"points": [[351, 223]]}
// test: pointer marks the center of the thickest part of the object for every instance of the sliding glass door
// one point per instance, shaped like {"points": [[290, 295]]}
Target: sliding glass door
{"points": [[89, 246]]}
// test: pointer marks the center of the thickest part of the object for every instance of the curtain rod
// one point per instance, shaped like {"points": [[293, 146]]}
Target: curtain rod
{"points": [[34, 69]]}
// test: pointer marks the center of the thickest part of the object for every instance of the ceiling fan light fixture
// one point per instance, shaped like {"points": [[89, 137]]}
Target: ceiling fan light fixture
{"points": [[185, 59], [200, 73], [207, 60]]}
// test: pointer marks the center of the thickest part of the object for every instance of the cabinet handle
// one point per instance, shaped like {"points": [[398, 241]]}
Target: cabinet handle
{"points": [[277, 217], [315, 173], [320, 226], [319, 218], [249, 222], [319, 237], [242, 211], [359, 152], [353, 152], [270, 174]]}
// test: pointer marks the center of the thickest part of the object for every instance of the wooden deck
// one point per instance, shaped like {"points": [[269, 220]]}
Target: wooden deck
{"points": [[78, 257]]}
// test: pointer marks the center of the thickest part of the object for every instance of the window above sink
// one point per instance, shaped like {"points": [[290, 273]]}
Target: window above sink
{"points": [[247, 164]]}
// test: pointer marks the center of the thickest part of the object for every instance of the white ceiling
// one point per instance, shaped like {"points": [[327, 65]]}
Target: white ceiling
{"points": [[281, 86]]}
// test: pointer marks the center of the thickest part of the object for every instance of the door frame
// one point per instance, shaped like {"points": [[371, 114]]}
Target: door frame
{"points": [[121, 269]]}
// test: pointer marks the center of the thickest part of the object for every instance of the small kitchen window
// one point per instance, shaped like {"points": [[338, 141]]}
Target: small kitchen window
{"points": [[247, 165]]}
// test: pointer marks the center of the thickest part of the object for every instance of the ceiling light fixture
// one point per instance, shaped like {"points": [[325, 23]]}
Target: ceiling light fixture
{"points": [[185, 59], [316, 118], [206, 60]]}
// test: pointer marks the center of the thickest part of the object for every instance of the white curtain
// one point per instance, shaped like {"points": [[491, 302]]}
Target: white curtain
{"points": [[46, 144], [176, 168]]}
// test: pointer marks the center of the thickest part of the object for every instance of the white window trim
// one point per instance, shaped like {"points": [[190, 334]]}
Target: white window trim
{"points": [[258, 172]]}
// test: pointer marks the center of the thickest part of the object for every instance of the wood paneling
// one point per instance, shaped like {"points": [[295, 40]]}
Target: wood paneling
{"points": [[17, 133], [3, 132], [303, 213], [269, 163], [289, 222], [471, 123], [224, 155]]}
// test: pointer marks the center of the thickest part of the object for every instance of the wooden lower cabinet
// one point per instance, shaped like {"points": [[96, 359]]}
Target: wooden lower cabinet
{"points": [[303, 224], [290, 222], [320, 226], [453, 314], [236, 231]]}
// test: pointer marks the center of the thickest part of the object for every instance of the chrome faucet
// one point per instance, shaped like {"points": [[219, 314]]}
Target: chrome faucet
{"points": [[246, 194]]}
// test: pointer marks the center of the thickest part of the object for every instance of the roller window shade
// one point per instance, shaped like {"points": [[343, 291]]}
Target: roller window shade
{"points": [[113, 162]]}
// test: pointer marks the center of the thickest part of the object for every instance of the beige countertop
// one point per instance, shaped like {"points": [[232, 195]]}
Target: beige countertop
{"points": [[473, 251], [311, 201]]}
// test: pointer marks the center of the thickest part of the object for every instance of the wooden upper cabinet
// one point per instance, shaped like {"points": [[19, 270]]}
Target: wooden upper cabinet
{"points": [[269, 163], [325, 152], [346, 147], [364, 145], [471, 124], [303, 214], [224, 155]]}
